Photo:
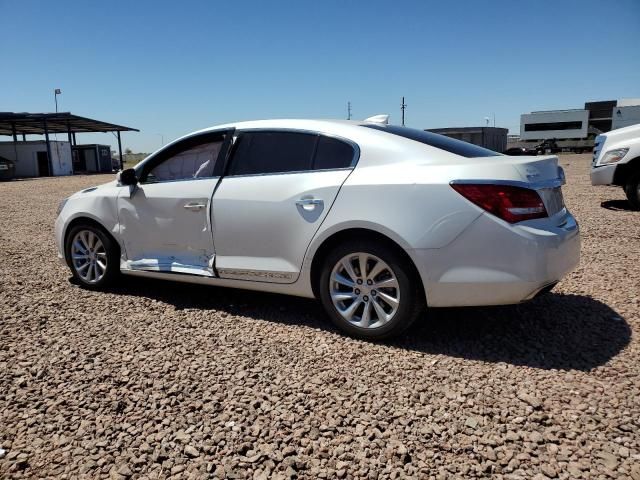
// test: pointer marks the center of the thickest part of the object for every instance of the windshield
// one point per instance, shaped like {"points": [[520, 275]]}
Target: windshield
{"points": [[451, 145]]}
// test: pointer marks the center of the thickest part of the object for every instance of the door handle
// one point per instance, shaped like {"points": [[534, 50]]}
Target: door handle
{"points": [[194, 206], [309, 203]]}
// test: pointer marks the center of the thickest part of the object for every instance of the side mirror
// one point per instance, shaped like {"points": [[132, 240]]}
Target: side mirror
{"points": [[128, 177]]}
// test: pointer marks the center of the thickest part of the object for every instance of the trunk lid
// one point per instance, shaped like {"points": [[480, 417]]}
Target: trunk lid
{"points": [[539, 170], [547, 177]]}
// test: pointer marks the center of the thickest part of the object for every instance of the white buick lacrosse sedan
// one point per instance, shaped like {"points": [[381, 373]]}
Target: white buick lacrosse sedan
{"points": [[376, 221]]}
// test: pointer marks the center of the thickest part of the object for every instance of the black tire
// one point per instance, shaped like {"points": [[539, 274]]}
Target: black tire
{"points": [[111, 250], [632, 190], [411, 294]]}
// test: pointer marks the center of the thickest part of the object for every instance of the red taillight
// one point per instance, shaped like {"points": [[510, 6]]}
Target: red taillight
{"points": [[512, 204]]}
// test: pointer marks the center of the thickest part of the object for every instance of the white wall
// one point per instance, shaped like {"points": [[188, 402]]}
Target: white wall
{"points": [[27, 157], [625, 116], [554, 117], [628, 102]]}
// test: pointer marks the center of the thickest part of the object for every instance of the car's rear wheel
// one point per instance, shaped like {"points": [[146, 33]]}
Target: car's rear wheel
{"points": [[632, 190], [92, 256], [370, 290]]}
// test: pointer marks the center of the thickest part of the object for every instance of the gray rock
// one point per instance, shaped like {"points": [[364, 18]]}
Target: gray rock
{"points": [[471, 422], [191, 451], [608, 459], [535, 402], [124, 470]]}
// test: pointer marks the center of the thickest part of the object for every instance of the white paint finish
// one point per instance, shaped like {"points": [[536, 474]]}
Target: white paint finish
{"points": [[259, 225], [493, 264], [96, 203], [627, 137], [413, 203], [159, 233], [399, 188]]}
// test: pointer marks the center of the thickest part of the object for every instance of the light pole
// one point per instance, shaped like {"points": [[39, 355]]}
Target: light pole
{"points": [[161, 138], [56, 92]]}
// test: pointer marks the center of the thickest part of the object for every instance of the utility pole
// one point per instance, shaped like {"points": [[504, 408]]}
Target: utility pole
{"points": [[348, 110], [402, 107]]}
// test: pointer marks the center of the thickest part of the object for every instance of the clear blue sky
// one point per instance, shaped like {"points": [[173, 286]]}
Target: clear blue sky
{"points": [[173, 67]]}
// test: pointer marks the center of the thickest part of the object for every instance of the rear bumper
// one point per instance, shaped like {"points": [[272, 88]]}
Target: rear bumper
{"points": [[491, 263], [603, 175]]}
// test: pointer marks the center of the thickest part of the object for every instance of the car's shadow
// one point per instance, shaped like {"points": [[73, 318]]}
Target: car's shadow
{"points": [[617, 205], [554, 331]]}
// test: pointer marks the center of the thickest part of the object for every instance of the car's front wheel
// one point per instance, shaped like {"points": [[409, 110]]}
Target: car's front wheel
{"points": [[370, 290], [92, 256], [632, 190]]}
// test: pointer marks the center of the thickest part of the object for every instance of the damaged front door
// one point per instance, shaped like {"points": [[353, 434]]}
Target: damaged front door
{"points": [[165, 221]]}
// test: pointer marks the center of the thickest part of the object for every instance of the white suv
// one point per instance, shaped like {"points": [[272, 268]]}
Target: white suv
{"points": [[616, 161]]}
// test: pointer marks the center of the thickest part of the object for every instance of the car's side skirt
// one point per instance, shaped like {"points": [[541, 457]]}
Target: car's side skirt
{"points": [[297, 289]]}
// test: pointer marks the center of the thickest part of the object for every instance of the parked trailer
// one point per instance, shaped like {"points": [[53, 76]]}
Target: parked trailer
{"points": [[555, 146]]}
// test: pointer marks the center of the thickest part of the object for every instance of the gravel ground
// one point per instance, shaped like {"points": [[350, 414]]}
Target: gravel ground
{"points": [[155, 379]]}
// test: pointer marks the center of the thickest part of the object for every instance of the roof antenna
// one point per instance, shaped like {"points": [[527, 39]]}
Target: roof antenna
{"points": [[382, 119]]}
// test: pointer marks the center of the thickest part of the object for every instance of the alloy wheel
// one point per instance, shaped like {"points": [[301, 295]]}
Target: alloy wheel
{"points": [[364, 290], [88, 256]]}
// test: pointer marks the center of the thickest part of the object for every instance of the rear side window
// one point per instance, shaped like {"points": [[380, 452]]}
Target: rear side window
{"points": [[451, 145], [332, 153], [272, 152], [282, 152]]}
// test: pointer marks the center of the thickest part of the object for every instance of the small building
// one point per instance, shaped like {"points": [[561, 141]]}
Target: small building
{"points": [[90, 158], [31, 160], [493, 138]]}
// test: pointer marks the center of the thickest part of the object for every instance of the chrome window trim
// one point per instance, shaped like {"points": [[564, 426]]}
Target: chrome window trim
{"points": [[354, 145], [296, 172], [552, 183], [180, 180]]}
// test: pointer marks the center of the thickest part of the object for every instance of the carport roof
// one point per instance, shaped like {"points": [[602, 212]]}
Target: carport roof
{"points": [[63, 122]]}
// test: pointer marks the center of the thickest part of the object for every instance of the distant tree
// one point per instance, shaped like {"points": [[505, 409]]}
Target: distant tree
{"points": [[128, 151]]}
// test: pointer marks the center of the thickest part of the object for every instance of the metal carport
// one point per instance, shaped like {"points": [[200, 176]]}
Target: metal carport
{"points": [[14, 124]]}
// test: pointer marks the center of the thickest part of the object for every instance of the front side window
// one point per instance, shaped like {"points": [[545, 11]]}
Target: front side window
{"points": [[191, 159], [272, 152]]}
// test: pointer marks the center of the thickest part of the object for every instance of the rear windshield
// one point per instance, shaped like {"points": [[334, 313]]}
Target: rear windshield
{"points": [[452, 145]]}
